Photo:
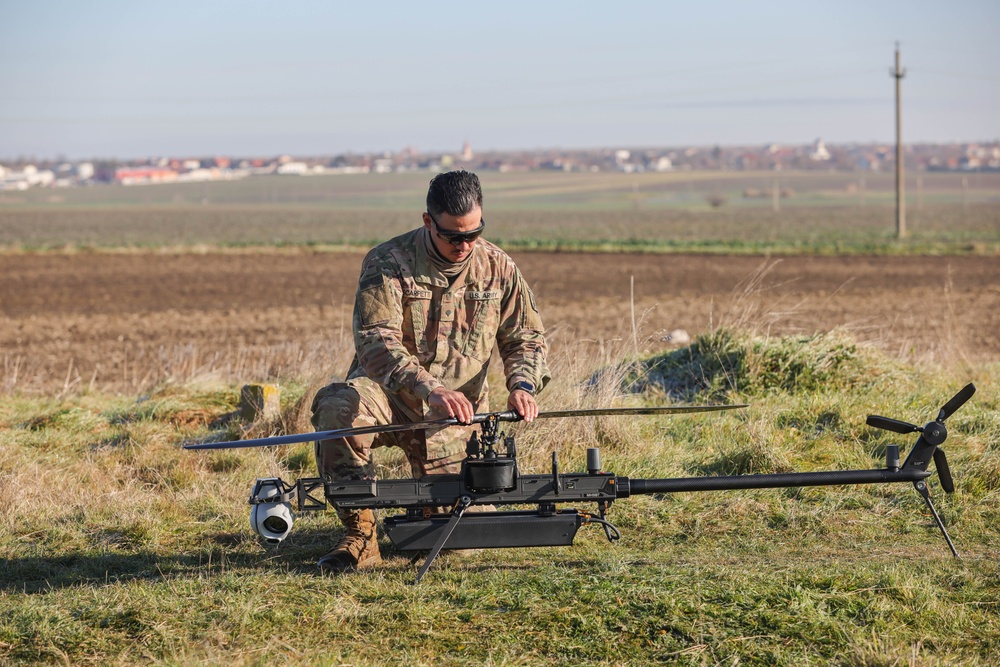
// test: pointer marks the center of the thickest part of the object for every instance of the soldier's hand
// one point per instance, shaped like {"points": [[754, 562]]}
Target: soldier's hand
{"points": [[453, 402], [524, 403]]}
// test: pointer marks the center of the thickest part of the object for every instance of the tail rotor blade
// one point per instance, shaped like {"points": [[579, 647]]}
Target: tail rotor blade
{"points": [[957, 401], [893, 425], [944, 472]]}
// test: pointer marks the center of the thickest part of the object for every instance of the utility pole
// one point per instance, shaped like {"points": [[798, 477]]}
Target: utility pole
{"points": [[898, 73]]}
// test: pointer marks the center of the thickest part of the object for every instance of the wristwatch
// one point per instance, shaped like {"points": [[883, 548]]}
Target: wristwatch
{"points": [[524, 386]]}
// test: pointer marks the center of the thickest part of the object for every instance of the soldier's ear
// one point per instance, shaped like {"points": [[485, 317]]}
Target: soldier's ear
{"points": [[427, 220]]}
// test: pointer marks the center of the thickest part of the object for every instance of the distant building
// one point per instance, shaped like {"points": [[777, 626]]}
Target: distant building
{"points": [[29, 176], [819, 152], [293, 168], [663, 164], [140, 175]]}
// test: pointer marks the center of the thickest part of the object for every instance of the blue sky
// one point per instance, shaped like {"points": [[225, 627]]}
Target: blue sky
{"points": [[133, 79]]}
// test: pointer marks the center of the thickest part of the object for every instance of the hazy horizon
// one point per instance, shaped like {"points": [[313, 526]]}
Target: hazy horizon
{"points": [[455, 151], [111, 79]]}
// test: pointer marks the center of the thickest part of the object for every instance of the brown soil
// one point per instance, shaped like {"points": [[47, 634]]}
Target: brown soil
{"points": [[117, 321]]}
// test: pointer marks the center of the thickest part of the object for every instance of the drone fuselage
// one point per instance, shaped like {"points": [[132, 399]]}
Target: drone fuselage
{"points": [[458, 511]]}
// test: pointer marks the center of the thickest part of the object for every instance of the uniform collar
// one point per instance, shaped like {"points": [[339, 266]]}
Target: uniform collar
{"points": [[424, 269]]}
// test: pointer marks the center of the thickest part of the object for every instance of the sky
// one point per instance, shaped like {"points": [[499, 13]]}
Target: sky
{"points": [[117, 79]]}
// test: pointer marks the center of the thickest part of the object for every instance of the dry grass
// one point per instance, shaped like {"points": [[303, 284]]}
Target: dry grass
{"points": [[121, 548]]}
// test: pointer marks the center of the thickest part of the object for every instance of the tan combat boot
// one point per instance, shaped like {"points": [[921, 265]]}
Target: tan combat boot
{"points": [[358, 548]]}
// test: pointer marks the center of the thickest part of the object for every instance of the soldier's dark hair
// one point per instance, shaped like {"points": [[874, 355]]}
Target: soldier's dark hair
{"points": [[455, 193]]}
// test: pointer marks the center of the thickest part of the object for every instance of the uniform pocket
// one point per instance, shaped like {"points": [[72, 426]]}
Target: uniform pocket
{"points": [[416, 306], [485, 306]]}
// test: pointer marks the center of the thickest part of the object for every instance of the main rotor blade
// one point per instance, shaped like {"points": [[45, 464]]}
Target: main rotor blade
{"points": [[506, 416], [893, 425], [666, 410], [957, 401], [316, 436]]}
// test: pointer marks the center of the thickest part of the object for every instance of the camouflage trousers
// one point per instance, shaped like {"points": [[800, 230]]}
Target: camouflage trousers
{"points": [[362, 402]]}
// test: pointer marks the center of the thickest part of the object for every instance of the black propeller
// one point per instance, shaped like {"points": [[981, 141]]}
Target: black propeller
{"points": [[506, 416], [957, 401], [944, 472], [893, 425], [933, 432], [947, 410]]}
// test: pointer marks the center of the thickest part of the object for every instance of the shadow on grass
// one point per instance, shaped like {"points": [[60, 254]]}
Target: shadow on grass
{"points": [[227, 554], [221, 553]]}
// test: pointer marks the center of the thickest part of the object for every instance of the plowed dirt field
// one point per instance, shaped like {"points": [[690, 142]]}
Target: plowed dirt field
{"points": [[123, 321]]}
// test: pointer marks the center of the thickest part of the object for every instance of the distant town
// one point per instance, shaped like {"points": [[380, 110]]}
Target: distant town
{"points": [[23, 173]]}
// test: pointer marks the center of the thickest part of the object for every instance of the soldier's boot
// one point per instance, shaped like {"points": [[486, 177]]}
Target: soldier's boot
{"points": [[358, 549]]}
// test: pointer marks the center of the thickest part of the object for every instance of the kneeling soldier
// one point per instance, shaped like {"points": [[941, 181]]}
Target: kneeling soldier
{"points": [[431, 306]]}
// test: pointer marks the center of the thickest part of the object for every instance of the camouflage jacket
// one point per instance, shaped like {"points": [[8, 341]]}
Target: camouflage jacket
{"points": [[415, 332]]}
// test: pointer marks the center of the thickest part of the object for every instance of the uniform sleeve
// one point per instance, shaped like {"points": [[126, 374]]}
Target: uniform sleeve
{"points": [[521, 336], [378, 336]]}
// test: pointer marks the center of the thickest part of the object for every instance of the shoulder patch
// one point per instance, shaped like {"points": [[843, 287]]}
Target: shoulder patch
{"points": [[375, 306], [374, 280], [531, 298]]}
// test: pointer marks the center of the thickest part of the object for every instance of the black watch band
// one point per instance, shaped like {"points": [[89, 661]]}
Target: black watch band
{"points": [[524, 386]]}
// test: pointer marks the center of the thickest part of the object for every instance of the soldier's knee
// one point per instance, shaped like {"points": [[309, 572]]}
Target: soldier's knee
{"points": [[335, 406], [336, 459]]}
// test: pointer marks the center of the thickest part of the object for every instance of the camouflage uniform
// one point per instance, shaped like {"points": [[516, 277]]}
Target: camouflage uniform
{"points": [[415, 331]]}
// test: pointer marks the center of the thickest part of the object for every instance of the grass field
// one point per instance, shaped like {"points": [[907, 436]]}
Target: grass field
{"points": [[118, 547], [121, 548], [822, 212]]}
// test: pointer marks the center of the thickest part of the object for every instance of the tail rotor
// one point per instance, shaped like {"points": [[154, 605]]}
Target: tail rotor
{"points": [[928, 446], [933, 433]]}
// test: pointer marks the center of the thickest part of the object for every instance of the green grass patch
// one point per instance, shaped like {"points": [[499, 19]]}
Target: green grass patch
{"points": [[119, 547], [725, 361]]}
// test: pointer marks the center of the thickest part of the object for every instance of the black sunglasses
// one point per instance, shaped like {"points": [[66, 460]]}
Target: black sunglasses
{"points": [[457, 238]]}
